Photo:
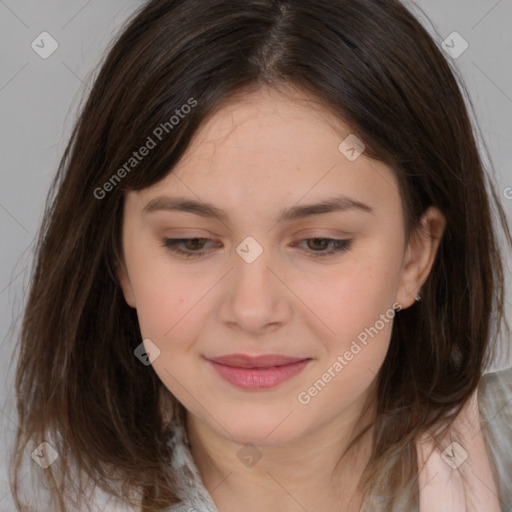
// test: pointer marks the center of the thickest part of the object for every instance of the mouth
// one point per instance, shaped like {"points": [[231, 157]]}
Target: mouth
{"points": [[257, 372]]}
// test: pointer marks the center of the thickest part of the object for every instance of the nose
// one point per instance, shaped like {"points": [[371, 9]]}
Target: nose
{"points": [[257, 299]]}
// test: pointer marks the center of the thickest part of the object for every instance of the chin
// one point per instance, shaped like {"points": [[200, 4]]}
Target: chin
{"points": [[263, 429]]}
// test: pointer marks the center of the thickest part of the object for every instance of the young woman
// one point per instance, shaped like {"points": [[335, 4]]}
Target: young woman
{"points": [[269, 275]]}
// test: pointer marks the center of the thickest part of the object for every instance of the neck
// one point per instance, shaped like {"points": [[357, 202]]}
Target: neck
{"points": [[308, 473]]}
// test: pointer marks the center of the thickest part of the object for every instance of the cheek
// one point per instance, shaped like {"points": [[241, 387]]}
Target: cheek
{"points": [[354, 357], [165, 313], [359, 347], [359, 313], [163, 294], [171, 320], [354, 298]]}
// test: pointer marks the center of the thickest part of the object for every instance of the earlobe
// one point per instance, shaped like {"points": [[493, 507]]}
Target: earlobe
{"points": [[125, 284], [420, 256]]}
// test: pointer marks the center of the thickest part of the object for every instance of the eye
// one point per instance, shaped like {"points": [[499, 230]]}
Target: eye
{"points": [[320, 244], [194, 246]]}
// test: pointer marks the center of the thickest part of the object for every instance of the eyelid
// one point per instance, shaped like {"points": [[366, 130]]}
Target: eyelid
{"points": [[334, 234], [337, 246]]}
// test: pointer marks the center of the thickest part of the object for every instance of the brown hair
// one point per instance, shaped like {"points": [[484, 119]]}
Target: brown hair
{"points": [[372, 63]]}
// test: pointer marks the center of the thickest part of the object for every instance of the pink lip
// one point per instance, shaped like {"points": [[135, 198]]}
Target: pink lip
{"points": [[261, 372]]}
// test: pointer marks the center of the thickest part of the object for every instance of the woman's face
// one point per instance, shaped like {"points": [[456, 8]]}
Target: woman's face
{"points": [[266, 281]]}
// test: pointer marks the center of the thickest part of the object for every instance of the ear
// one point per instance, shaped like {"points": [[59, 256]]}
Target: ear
{"points": [[124, 282], [420, 255]]}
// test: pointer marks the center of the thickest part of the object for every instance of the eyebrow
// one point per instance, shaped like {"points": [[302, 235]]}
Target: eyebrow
{"points": [[203, 209]]}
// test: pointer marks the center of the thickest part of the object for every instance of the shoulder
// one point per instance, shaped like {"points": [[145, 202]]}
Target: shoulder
{"points": [[470, 469], [192, 493], [100, 500], [495, 407], [495, 393]]}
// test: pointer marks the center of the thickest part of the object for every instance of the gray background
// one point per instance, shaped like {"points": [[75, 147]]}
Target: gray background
{"points": [[39, 99]]}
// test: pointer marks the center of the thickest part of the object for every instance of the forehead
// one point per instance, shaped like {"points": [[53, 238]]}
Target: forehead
{"points": [[272, 147], [275, 119]]}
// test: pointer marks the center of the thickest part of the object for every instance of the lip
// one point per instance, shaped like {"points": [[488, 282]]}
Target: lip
{"points": [[257, 372]]}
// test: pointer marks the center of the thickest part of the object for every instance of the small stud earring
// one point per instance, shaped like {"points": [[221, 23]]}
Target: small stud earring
{"points": [[418, 298]]}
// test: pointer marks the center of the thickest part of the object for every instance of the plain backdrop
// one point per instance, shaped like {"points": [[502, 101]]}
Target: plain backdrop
{"points": [[39, 98]]}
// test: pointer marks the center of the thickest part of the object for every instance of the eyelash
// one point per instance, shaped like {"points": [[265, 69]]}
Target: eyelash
{"points": [[173, 243]]}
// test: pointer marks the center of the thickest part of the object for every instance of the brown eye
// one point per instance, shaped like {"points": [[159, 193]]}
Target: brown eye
{"points": [[317, 246], [193, 247], [194, 243]]}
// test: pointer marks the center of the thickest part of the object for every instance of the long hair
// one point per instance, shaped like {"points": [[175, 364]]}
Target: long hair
{"points": [[371, 63]]}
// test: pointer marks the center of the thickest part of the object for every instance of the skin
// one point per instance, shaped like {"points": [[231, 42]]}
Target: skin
{"points": [[263, 152]]}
